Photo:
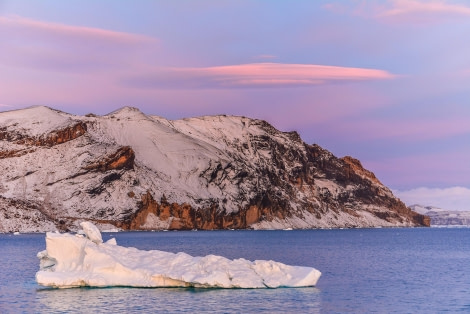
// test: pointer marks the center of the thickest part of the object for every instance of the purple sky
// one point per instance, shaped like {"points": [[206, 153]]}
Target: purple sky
{"points": [[387, 82]]}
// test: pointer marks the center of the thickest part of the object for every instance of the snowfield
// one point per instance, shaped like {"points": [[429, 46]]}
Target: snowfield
{"points": [[77, 260]]}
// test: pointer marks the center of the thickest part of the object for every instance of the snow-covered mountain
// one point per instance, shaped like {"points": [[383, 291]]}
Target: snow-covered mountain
{"points": [[424, 210], [135, 171], [443, 217]]}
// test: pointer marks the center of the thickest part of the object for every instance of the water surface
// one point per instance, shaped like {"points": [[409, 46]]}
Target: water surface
{"points": [[364, 270]]}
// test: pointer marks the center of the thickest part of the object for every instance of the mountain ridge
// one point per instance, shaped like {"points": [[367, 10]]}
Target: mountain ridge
{"points": [[130, 170]]}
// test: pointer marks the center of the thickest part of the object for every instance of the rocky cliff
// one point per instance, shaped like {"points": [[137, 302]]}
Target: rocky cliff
{"points": [[134, 171]]}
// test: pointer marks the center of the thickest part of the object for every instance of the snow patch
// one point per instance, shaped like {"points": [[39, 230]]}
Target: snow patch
{"points": [[35, 121], [92, 232]]}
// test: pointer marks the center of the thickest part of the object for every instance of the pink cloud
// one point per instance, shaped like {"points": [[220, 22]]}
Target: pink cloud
{"points": [[33, 44], [256, 75], [409, 11], [29, 26], [405, 7]]}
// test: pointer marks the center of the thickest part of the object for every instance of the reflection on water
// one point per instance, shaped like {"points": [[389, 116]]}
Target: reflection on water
{"points": [[119, 299]]}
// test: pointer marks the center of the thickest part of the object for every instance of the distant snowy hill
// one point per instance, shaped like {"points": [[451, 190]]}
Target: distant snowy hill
{"points": [[135, 171], [425, 209], [443, 217]]}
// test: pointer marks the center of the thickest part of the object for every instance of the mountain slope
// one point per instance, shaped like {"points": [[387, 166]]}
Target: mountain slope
{"points": [[134, 171]]}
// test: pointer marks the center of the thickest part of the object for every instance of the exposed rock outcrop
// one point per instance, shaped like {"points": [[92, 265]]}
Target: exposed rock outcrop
{"points": [[50, 139], [123, 158], [185, 217]]}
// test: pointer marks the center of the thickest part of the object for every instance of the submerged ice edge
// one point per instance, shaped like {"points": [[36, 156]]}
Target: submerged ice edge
{"points": [[77, 261]]}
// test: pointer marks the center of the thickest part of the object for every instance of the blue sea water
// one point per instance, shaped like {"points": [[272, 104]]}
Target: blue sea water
{"points": [[423, 270]]}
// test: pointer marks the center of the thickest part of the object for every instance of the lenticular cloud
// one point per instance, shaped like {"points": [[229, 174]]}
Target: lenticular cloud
{"points": [[78, 260]]}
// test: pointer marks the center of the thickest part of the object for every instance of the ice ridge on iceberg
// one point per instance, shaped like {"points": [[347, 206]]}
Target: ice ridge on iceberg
{"points": [[77, 260]]}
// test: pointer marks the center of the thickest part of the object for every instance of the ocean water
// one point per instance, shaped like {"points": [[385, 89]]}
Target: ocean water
{"points": [[422, 270]]}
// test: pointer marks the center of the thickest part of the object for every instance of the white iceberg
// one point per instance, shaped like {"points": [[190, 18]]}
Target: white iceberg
{"points": [[76, 261]]}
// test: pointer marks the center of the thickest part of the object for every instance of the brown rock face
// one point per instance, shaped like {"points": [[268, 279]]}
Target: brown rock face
{"points": [[123, 158], [64, 135], [51, 139], [368, 190], [185, 217], [355, 167], [15, 153], [421, 219]]}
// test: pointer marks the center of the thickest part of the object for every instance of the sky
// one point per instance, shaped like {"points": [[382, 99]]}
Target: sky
{"points": [[384, 81]]}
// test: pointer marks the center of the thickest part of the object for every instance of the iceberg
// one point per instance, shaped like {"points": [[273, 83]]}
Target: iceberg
{"points": [[85, 260]]}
